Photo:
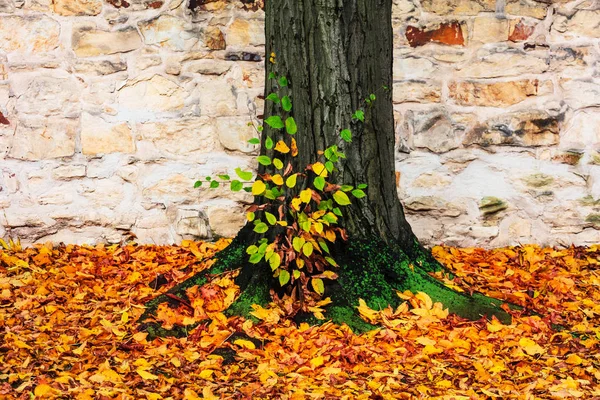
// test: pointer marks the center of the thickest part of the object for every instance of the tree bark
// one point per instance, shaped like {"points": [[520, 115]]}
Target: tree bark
{"points": [[335, 54]]}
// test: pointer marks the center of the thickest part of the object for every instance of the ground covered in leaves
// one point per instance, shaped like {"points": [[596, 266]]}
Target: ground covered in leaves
{"points": [[68, 330]]}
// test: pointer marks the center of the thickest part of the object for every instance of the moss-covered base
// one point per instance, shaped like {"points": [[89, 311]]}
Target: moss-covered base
{"points": [[370, 270]]}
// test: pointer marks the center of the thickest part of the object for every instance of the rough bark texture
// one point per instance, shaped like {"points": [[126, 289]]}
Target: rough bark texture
{"points": [[335, 53]]}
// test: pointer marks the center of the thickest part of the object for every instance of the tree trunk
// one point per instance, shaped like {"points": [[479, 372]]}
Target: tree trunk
{"points": [[336, 53]]}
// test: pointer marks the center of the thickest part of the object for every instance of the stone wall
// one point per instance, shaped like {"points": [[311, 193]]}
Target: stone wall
{"points": [[110, 110]]}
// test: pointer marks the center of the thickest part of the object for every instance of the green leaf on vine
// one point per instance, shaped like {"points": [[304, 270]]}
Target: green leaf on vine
{"points": [[290, 126], [359, 194], [359, 115], [197, 184], [261, 227], [275, 122], [283, 82], [214, 184], [236, 185], [319, 182], [286, 103], [254, 141], [274, 98], [269, 143], [284, 277], [277, 163], [244, 175], [264, 160], [270, 218], [346, 134], [224, 177]]}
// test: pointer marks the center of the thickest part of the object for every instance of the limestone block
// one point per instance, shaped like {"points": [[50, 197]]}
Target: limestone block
{"points": [[99, 67], [498, 94], [214, 38], [69, 171], [583, 23], [459, 7], [436, 130], [41, 138], [7, 6], [234, 133], [432, 205], [89, 42], [108, 193], [10, 181], [142, 63], [225, 219], [500, 62], [489, 30], [152, 94], [594, 183], [30, 34], [529, 128], [180, 138], [432, 180], [45, 95], [217, 98], [580, 93], [582, 131], [410, 67], [417, 91], [192, 223], [403, 8], [169, 32], [101, 137], [170, 189], [243, 33], [77, 7], [528, 8], [208, 67], [37, 5], [490, 205]]}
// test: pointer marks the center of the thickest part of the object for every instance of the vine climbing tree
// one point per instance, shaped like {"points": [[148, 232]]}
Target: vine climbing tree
{"points": [[326, 221]]}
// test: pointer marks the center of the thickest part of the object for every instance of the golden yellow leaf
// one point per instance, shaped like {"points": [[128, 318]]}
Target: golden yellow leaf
{"points": [[43, 390], [306, 195], [206, 374], [145, 374], [258, 188], [277, 179], [247, 344], [530, 347], [282, 147], [574, 359], [317, 361], [319, 169]]}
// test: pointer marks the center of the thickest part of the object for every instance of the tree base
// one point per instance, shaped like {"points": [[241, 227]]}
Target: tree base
{"points": [[370, 270]]}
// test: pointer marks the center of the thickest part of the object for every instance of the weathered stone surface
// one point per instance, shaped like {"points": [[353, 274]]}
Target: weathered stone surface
{"points": [[490, 30], [435, 130], [499, 62], [152, 94], [527, 8], [30, 34], [101, 137], [432, 180], [402, 8], [40, 138], [490, 205], [535, 128], [417, 92], [217, 98], [184, 138], [410, 67], [168, 31], [520, 30], [225, 218], [208, 67], [44, 95], [99, 67], [214, 38], [433, 205], [450, 33], [580, 93], [242, 32], [538, 180], [582, 131], [77, 7], [69, 171], [7, 6], [459, 7], [176, 188], [192, 224], [499, 94], [234, 133], [93, 42], [584, 23], [147, 62]]}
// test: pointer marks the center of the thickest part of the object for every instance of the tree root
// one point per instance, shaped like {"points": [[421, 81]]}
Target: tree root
{"points": [[370, 270]]}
